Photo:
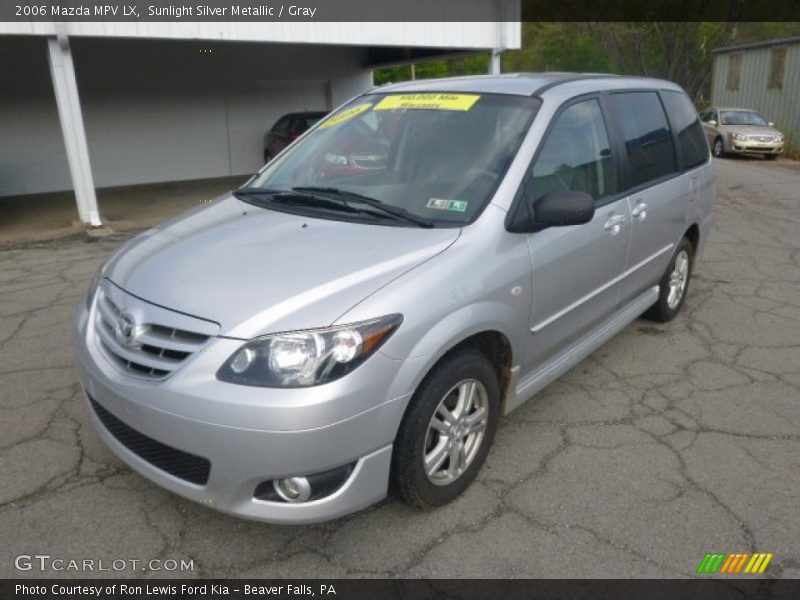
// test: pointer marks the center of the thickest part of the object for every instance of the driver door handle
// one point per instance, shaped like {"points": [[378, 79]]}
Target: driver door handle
{"points": [[614, 223]]}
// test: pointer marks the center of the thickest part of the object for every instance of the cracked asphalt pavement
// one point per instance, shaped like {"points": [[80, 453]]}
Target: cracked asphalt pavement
{"points": [[669, 442]]}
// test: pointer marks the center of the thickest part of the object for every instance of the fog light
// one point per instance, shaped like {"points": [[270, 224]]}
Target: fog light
{"points": [[293, 489], [319, 485]]}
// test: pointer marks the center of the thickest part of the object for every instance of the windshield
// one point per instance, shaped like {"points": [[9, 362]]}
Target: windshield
{"points": [[431, 158], [741, 117]]}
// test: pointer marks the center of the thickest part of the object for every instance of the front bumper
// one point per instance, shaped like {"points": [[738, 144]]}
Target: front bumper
{"points": [[249, 435], [755, 148]]}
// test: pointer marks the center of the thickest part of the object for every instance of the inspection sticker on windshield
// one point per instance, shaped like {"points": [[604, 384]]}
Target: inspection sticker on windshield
{"points": [[441, 204], [461, 102], [345, 115]]}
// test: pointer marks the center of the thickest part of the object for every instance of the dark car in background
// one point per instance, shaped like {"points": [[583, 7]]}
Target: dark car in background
{"points": [[287, 129]]}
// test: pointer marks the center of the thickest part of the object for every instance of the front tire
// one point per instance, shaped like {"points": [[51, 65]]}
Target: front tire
{"points": [[771, 156], [674, 284], [447, 430], [718, 148]]}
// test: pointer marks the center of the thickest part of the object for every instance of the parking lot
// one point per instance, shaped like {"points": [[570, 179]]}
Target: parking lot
{"points": [[669, 442]]}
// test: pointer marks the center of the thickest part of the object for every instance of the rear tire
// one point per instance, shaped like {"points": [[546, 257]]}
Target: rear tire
{"points": [[718, 149], [674, 284], [447, 430]]}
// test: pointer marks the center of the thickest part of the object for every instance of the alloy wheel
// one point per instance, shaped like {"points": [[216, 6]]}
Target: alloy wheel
{"points": [[455, 432], [678, 279]]}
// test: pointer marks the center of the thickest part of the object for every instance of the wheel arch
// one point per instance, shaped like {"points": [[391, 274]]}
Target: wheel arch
{"points": [[495, 346], [693, 235], [493, 343]]}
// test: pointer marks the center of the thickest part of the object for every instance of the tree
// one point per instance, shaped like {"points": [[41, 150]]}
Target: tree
{"points": [[680, 52], [475, 64], [558, 47], [677, 51]]}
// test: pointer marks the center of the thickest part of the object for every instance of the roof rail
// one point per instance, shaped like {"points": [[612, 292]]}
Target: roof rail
{"points": [[569, 79]]}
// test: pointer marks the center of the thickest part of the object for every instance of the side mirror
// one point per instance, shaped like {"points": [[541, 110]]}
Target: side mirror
{"points": [[556, 209], [712, 122], [771, 124], [560, 209]]}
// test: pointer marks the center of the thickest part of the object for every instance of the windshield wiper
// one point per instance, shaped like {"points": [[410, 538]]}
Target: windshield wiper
{"points": [[257, 192], [294, 197], [394, 211]]}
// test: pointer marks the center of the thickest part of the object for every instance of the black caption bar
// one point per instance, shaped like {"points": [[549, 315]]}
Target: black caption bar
{"points": [[398, 10], [181, 11], [390, 589], [661, 10]]}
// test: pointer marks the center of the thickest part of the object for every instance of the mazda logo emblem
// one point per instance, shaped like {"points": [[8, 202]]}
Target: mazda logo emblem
{"points": [[126, 330]]}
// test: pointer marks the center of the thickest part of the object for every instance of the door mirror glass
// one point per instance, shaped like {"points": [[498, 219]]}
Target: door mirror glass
{"points": [[560, 209], [712, 122], [771, 124]]}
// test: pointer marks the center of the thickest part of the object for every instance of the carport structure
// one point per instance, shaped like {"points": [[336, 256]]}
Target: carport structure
{"points": [[87, 105]]}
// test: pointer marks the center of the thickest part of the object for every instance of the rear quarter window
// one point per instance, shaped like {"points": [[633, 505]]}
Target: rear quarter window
{"points": [[283, 124], [647, 137], [692, 145]]}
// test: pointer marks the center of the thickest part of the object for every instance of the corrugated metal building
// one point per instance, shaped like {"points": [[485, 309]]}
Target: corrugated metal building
{"points": [[97, 104], [764, 76]]}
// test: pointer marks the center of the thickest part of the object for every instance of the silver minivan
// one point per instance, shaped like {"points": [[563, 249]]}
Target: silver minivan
{"points": [[358, 316]]}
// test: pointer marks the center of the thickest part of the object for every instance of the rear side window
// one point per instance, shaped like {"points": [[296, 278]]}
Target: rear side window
{"points": [[282, 126], [648, 141], [692, 144], [308, 121], [576, 155]]}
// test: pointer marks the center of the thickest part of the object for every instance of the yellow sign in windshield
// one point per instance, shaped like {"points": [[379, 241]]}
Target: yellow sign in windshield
{"points": [[461, 102], [345, 115]]}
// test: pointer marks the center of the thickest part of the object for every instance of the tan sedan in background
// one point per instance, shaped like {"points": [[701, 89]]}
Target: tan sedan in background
{"points": [[741, 131]]}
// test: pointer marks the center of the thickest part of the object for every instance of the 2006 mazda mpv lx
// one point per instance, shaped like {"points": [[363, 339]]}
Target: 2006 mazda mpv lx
{"points": [[292, 350]]}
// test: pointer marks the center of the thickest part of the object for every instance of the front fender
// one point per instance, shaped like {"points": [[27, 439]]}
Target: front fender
{"points": [[449, 332]]}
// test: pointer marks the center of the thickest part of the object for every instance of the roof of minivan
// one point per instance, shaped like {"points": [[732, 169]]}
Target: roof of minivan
{"points": [[519, 84]]}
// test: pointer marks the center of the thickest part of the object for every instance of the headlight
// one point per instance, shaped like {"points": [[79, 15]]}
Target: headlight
{"points": [[779, 137], [739, 137], [307, 358]]}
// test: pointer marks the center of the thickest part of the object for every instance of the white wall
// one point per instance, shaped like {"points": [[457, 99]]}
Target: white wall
{"points": [[32, 155], [161, 110]]}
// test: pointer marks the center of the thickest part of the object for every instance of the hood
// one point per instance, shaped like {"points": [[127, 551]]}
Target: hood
{"points": [[255, 270], [751, 129]]}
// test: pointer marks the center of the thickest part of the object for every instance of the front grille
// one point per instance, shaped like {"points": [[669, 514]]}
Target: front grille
{"points": [[761, 138], [189, 467], [157, 350]]}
